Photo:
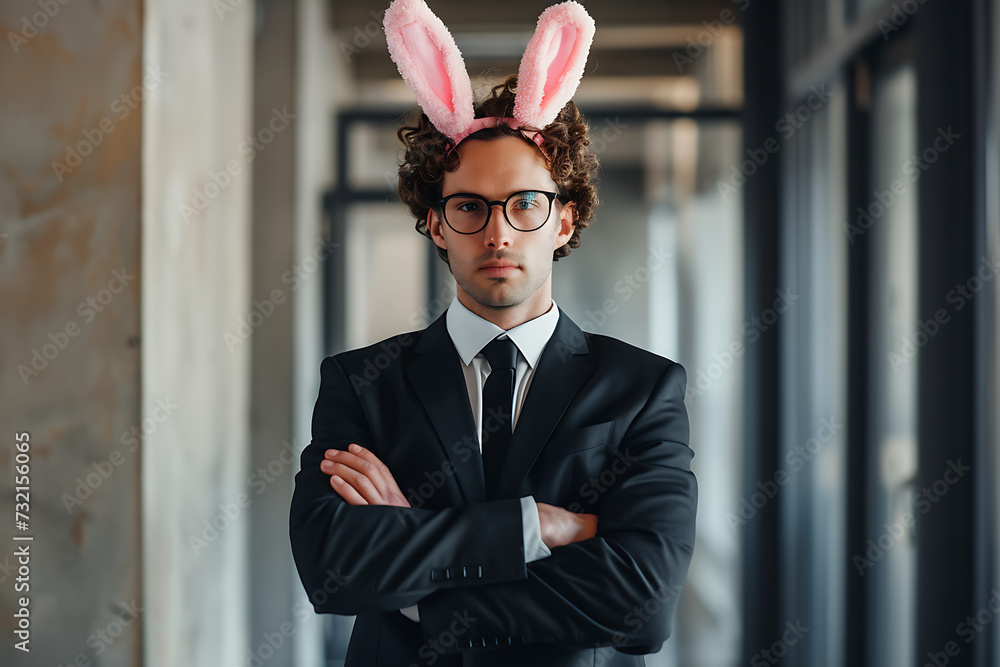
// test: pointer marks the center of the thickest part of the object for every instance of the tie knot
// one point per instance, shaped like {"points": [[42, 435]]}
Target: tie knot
{"points": [[501, 353]]}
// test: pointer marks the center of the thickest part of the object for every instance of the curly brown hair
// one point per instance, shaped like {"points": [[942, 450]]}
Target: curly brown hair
{"points": [[429, 155]]}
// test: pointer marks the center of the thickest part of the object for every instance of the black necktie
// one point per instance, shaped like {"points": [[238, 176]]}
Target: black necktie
{"points": [[497, 415]]}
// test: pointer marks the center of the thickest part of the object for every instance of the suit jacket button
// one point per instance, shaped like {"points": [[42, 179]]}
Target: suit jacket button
{"points": [[435, 574], [465, 574], [479, 575], [447, 573]]}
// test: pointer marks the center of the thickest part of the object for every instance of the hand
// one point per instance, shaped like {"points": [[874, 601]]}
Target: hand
{"points": [[360, 478], [561, 527]]}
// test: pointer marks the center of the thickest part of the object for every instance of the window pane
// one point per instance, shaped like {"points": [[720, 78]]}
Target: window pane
{"points": [[814, 351], [375, 232], [892, 212], [993, 248], [374, 152]]}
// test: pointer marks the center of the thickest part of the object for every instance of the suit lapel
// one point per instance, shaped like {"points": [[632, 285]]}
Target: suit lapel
{"points": [[436, 375], [562, 369]]}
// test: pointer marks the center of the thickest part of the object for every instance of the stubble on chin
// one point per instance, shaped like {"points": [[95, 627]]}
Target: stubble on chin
{"points": [[488, 296]]}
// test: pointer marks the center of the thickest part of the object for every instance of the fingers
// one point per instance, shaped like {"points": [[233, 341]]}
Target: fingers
{"points": [[346, 491], [365, 474], [360, 482], [359, 478], [387, 483]]}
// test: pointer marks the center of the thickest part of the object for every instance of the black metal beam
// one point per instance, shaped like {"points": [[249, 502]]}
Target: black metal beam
{"points": [[763, 86], [946, 401], [858, 355]]}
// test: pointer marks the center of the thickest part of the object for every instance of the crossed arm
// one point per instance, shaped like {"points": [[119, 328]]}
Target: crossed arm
{"points": [[360, 478], [618, 587]]}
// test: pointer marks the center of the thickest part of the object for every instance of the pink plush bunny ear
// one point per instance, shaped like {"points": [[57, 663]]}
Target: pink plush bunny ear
{"points": [[553, 63], [431, 64]]}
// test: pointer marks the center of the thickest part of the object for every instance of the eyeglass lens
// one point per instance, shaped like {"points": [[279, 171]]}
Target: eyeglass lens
{"points": [[526, 211]]}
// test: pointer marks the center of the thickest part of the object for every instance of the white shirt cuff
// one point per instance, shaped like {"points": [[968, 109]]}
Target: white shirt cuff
{"points": [[411, 613], [534, 548]]}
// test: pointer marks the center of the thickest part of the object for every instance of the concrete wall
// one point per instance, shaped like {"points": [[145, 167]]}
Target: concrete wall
{"points": [[276, 279], [322, 84], [69, 234], [166, 415], [197, 144]]}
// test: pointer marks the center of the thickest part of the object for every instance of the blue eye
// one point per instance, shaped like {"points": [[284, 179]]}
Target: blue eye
{"points": [[469, 206], [527, 200]]}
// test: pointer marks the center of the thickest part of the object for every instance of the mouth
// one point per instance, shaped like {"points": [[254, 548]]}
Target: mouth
{"points": [[499, 269]]}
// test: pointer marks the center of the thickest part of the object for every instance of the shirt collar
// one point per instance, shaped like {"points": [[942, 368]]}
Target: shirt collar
{"points": [[470, 332]]}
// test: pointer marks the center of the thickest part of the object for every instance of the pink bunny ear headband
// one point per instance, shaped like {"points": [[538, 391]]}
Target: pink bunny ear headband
{"points": [[432, 66]]}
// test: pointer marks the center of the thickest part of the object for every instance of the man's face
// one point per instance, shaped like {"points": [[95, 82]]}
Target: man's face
{"points": [[494, 169]]}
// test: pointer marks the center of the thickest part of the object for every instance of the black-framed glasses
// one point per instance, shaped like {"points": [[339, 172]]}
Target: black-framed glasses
{"points": [[524, 210]]}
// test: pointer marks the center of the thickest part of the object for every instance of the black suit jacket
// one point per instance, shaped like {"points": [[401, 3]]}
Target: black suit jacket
{"points": [[603, 430]]}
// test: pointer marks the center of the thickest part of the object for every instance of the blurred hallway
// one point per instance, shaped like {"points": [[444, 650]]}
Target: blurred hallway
{"points": [[800, 201]]}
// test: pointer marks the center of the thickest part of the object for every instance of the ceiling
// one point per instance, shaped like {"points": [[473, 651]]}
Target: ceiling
{"points": [[636, 47]]}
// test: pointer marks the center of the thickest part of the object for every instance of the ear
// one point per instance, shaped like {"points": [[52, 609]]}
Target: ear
{"points": [[567, 224], [435, 227], [430, 64], [553, 63]]}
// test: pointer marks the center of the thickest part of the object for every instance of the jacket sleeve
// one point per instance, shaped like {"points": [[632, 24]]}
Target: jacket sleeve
{"points": [[619, 588], [354, 559], [534, 548]]}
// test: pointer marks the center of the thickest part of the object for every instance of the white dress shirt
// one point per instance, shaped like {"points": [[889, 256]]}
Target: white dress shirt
{"points": [[470, 333]]}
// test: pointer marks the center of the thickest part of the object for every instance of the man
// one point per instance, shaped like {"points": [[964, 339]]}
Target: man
{"points": [[544, 518]]}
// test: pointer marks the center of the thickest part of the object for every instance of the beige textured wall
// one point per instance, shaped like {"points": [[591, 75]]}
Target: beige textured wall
{"points": [[70, 124]]}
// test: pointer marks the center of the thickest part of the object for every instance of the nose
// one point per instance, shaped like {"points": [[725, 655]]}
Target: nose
{"points": [[497, 232]]}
